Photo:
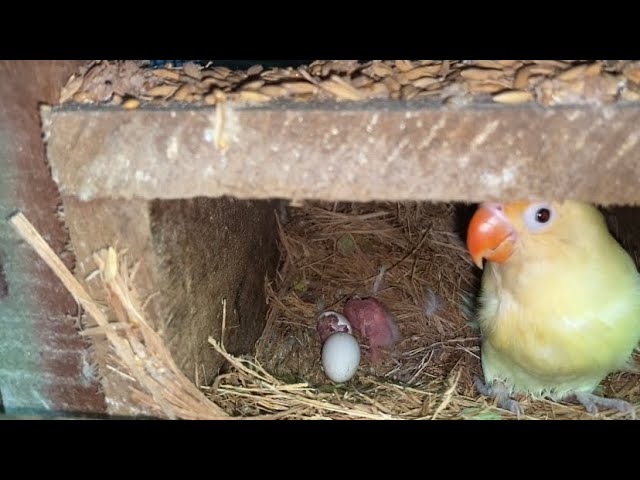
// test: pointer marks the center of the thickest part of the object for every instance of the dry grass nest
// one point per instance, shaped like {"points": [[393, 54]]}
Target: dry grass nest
{"points": [[411, 256]]}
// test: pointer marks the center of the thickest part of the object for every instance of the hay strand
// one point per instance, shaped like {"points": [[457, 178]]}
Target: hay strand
{"points": [[138, 349]]}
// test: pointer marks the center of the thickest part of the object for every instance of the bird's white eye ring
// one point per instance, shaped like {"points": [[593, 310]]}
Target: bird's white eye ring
{"points": [[539, 216]]}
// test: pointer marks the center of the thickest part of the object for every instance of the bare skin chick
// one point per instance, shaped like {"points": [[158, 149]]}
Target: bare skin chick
{"points": [[374, 323]]}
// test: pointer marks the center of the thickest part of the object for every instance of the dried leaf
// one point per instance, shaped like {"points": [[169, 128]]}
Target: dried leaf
{"points": [[193, 70], [183, 92], [632, 73], [426, 71], [168, 74], [299, 87], [131, 104], [84, 97], [513, 97], [274, 91], [341, 90], [486, 87], [381, 69], [481, 73], [409, 91], [425, 82], [508, 63], [253, 85], [404, 65], [162, 91], [71, 88], [300, 285], [254, 70], [488, 64], [572, 73], [629, 95], [249, 96]]}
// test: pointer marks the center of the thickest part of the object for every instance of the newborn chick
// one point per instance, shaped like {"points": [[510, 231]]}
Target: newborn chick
{"points": [[330, 322], [374, 323]]}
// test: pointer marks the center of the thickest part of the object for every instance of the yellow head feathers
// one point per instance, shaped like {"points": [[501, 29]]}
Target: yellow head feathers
{"points": [[501, 232]]}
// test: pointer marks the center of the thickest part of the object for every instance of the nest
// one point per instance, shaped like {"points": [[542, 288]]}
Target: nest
{"points": [[410, 255]]}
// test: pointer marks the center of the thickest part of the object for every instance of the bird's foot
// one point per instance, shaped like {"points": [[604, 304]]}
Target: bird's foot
{"points": [[500, 393], [591, 403]]}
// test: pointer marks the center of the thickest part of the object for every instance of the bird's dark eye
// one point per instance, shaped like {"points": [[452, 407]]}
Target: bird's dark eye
{"points": [[543, 215], [538, 216]]}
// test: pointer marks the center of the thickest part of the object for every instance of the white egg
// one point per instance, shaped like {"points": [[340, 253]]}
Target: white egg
{"points": [[340, 356]]}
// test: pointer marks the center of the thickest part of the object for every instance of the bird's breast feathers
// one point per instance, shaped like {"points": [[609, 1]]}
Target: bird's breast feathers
{"points": [[558, 323]]}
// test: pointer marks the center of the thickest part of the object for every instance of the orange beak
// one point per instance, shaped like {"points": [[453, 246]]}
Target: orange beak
{"points": [[490, 236]]}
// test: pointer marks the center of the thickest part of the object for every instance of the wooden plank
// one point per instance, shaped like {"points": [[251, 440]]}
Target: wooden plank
{"points": [[349, 151], [44, 361], [191, 254]]}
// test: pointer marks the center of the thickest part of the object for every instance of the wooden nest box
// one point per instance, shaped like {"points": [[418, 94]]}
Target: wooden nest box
{"points": [[192, 190]]}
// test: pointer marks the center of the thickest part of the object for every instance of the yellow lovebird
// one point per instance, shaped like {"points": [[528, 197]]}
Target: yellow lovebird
{"points": [[559, 304]]}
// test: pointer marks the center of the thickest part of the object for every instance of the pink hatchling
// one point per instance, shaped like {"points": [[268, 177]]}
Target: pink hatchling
{"points": [[330, 322], [374, 323]]}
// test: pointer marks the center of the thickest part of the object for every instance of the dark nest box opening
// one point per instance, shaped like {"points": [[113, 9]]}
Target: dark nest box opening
{"points": [[377, 197], [212, 249]]}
